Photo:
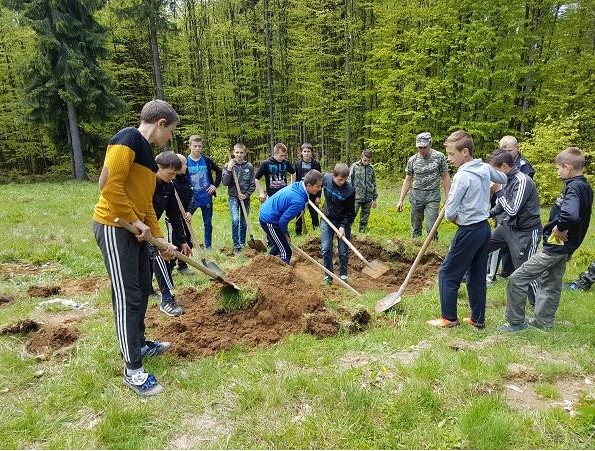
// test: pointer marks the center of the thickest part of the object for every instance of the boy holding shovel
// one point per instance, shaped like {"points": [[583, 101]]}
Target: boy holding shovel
{"points": [[339, 208], [245, 174]]}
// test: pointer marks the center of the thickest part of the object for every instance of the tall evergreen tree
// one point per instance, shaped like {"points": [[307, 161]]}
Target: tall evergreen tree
{"points": [[64, 81]]}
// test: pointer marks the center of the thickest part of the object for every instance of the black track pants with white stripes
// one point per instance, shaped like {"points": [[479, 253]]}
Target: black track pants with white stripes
{"points": [[162, 271], [127, 263], [280, 246]]}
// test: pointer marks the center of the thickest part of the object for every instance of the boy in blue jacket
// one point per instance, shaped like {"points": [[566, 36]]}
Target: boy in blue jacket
{"points": [[467, 205], [562, 235], [281, 208]]}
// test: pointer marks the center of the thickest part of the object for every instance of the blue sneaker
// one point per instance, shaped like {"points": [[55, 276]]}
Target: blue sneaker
{"points": [[143, 384], [154, 348], [512, 327]]}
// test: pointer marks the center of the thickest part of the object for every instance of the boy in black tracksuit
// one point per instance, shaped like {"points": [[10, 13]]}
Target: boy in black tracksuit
{"points": [[184, 190], [517, 204], [562, 235], [275, 170], [302, 167], [339, 208], [164, 200]]}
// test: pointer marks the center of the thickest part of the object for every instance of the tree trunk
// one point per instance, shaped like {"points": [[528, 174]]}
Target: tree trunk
{"points": [[77, 154], [269, 70], [156, 60]]}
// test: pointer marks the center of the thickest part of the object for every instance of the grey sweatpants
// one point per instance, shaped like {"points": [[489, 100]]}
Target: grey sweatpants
{"points": [[127, 263], [548, 269]]}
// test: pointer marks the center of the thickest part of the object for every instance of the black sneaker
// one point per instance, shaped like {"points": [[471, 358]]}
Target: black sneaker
{"points": [[143, 384], [154, 348], [512, 327], [328, 280], [170, 308], [185, 270]]}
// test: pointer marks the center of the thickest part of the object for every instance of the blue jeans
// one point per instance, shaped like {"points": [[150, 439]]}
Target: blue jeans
{"points": [[207, 220], [238, 223], [468, 252], [327, 236]]}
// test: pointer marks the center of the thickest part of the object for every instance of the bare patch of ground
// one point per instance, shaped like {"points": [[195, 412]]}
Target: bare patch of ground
{"points": [[11, 270], [210, 426], [83, 286], [565, 393]]}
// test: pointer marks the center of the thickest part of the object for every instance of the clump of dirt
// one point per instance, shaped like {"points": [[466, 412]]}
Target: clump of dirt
{"points": [[289, 299], [24, 326], [6, 299], [51, 338], [38, 291]]}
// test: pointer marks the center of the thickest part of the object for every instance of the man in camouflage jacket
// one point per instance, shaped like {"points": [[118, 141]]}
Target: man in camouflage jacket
{"points": [[363, 179]]}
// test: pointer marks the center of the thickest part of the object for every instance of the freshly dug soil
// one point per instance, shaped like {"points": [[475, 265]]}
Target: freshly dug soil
{"points": [[20, 327], [51, 338], [37, 291], [290, 299]]}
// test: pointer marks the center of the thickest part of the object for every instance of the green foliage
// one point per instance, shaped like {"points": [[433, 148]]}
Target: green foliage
{"points": [[548, 139], [231, 300]]}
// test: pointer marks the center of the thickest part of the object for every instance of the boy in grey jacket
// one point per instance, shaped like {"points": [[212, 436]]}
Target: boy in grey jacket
{"points": [[245, 174], [467, 205], [363, 180]]}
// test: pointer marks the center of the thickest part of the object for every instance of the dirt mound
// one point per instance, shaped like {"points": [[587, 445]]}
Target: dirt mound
{"points": [[6, 299], [20, 327], [286, 303], [37, 291], [289, 299], [51, 338]]}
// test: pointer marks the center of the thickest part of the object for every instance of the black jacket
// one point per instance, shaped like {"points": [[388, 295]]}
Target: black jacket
{"points": [[518, 201], [184, 190], [571, 212], [299, 174], [339, 202], [164, 200]]}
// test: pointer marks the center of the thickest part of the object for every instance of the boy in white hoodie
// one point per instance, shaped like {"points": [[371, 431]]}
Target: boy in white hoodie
{"points": [[467, 205]]}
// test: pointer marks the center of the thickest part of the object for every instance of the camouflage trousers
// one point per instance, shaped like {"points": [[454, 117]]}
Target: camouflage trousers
{"points": [[424, 203]]}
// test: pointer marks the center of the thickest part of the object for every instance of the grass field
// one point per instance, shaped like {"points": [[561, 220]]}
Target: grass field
{"points": [[400, 384]]}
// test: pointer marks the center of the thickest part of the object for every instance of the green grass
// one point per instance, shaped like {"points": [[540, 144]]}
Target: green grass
{"points": [[299, 393]]}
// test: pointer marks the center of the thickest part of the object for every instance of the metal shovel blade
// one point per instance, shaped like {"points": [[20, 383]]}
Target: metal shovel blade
{"points": [[257, 245], [388, 301], [213, 267], [375, 269]]}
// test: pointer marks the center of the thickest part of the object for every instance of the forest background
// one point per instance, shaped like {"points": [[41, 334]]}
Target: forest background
{"points": [[342, 74]]}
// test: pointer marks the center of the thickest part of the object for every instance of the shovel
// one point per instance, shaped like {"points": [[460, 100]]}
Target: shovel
{"points": [[394, 298], [209, 264], [252, 243], [162, 246], [375, 268], [330, 273]]}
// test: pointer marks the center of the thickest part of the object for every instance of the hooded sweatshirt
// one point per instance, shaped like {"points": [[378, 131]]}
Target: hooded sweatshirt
{"points": [[468, 200], [285, 205]]}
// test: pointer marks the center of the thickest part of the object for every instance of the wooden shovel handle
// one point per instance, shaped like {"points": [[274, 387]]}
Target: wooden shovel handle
{"points": [[332, 226], [421, 252], [235, 179], [330, 273], [189, 225], [162, 246]]}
